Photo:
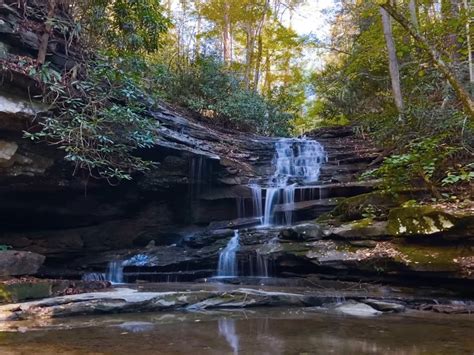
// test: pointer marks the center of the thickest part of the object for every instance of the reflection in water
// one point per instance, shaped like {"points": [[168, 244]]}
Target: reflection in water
{"points": [[227, 329], [259, 331], [137, 327]]}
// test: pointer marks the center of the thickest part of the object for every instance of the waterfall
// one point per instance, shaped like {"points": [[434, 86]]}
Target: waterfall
{"points": [[297, 162], [115, 272], [94, 276], [227, 266], [257, 200]]}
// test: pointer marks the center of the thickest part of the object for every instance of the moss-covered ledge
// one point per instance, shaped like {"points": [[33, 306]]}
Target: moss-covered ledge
{"points": [[427, 220]]}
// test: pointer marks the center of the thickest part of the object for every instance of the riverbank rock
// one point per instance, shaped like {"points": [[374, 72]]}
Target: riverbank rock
{"points": [[17, 263], [426, 220], [357, 309], [302, 232]]}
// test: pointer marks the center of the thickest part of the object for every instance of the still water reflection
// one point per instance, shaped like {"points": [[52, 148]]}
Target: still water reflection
{"points": [[294, 331]]}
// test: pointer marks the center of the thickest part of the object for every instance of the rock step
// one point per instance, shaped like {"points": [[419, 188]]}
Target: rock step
{"points": [[336, 168], [302, 205]]}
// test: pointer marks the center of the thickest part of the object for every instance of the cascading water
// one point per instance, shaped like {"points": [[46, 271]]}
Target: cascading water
{"points": [[297, 162], [114, 272], [227, 266]]}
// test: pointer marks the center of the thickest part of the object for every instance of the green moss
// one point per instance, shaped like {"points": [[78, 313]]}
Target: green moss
{"points": [[21, 291], [421, 220], [362, 223], [375, 203], [5, 295], [433, 258]]}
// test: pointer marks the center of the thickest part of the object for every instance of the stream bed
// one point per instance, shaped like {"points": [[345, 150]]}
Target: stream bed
{"points": [[254, 331]]}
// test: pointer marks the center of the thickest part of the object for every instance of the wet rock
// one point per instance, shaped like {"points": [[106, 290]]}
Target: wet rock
{"points": [[456, 307], [357, 309], [7, 151], [126, 300], [235, 223], [205, 239], [16, 263], [384, 306], [363, 243], [362, 229], [302, 232]]}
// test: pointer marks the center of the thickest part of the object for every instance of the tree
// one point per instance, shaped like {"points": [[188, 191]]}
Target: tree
{"points": [[48, 27], [392, 60], [436, 56]]}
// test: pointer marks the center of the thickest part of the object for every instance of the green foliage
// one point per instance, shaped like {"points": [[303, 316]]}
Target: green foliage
{"points": [[209, 88], [99, 121], [125, 27], [423, 163], [431, 140], [459, 174]]}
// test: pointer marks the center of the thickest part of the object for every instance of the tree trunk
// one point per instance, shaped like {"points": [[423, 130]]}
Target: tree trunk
{"points": [[197, 46], [436, 57], [450, 12], [258, 62], [468, 8], [249, 55], [268, 79], [414, 14], [226, 35], [48, 28], [392, 60]]}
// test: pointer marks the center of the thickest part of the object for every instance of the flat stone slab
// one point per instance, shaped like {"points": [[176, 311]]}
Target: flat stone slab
{"points": [[124, 300]]}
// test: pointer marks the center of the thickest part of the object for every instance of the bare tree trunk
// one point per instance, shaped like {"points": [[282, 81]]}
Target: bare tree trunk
{"points": [[226, 35], [468, 7], [436, 57], [392, 60], [258, 60], [197, 46], [450, 12], [413, 14], [48, 28], [249, 54], [268, 79]]}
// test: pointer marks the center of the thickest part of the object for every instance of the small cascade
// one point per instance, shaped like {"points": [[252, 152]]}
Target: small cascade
{"points": [[94, 276], [297, 162], [227, 266], [115, 268], [115, 272], [261, 265], [257, 200]]}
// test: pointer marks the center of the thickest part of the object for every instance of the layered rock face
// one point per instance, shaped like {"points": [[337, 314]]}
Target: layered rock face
{"points": [[181, 214]]}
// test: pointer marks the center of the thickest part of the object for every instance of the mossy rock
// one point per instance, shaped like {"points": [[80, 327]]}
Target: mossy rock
{"points": [[18, 292], [354, 208], [426, 220]]}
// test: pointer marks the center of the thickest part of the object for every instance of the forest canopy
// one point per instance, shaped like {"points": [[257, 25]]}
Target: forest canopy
{"points": [[400, 71]]}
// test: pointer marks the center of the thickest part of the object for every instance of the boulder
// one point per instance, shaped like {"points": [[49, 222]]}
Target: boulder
{"points": [[426, 220], [7, 152], [385, 306], [16, 263], [357, 309], [306, 231], [359, 230]]}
